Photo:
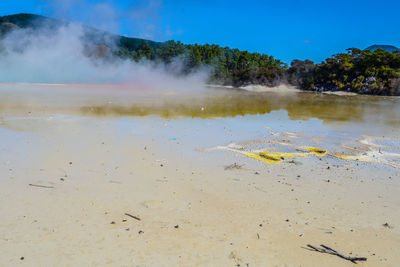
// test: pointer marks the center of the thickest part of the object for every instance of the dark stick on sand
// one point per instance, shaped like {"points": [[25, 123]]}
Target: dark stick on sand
{"points": [[43, 186], [134, 217], [328, 250]]}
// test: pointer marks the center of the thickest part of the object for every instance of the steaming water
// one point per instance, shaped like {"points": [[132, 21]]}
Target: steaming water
{"points": [[210, 117], [368, 114]]}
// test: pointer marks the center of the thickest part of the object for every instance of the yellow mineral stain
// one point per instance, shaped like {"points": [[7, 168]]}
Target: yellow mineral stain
{"points": [[317, 151], [276, 157], [265, 158], [276, 154]]}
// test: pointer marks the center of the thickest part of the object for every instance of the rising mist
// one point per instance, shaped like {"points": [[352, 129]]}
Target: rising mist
{"points": [[65, 55]]}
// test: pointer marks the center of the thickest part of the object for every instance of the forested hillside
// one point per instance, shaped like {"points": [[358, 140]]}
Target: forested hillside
{"points": [[360, 71]]}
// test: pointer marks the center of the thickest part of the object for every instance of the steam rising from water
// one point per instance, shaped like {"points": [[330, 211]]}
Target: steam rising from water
{"points": [[61, 56], [109, 85]]}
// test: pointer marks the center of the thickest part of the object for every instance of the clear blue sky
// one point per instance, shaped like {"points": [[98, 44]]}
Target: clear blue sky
{"points": [[285, 29]]}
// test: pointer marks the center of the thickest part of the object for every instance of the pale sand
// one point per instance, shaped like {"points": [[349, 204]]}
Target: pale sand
{"points": [[158, 170], [225, 217]]}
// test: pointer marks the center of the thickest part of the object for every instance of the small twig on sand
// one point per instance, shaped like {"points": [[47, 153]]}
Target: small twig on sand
{"points": [[328, 250], [38, 185], [233, 166], [387, 225], [134, 217]]}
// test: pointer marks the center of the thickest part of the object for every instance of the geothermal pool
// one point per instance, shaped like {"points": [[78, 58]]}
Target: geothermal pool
{"points": [[217, 176]]}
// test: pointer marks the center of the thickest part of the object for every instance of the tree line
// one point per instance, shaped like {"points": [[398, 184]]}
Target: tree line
{"points": [[228, 66], [360, 71]]}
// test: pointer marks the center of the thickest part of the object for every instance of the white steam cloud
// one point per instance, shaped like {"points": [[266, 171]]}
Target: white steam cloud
{"points": [[61, 56]]}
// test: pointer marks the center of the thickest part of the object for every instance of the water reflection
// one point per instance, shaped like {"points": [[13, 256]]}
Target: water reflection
{"points": [[300, 106], [114, 100]]}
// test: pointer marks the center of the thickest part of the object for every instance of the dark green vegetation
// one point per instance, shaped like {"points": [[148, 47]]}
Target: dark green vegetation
{"points": [[359, 71], [227, 66], [372, 71]]}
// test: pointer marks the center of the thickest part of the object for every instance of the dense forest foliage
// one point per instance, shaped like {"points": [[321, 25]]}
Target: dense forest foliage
{"points": [[359, 71], [228, 66], [372, 71]]}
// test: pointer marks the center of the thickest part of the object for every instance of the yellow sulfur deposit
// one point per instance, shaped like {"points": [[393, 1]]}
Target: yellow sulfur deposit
{"points": [[317, 151], [276, 157], [260, 156]]}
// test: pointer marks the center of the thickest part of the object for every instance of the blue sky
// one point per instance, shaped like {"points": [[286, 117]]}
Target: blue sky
{"points": [[285, 29]]}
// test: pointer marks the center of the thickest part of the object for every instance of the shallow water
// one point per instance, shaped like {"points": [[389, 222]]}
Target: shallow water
{"points": [[219, 115], [122, 100]]}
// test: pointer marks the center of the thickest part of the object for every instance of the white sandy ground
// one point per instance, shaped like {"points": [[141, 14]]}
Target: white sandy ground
{"points": [[193, 212]]}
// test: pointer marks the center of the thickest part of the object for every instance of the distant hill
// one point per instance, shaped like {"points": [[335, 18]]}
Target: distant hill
{"points": [[389, 48], [98, 37], [27, 20]]}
